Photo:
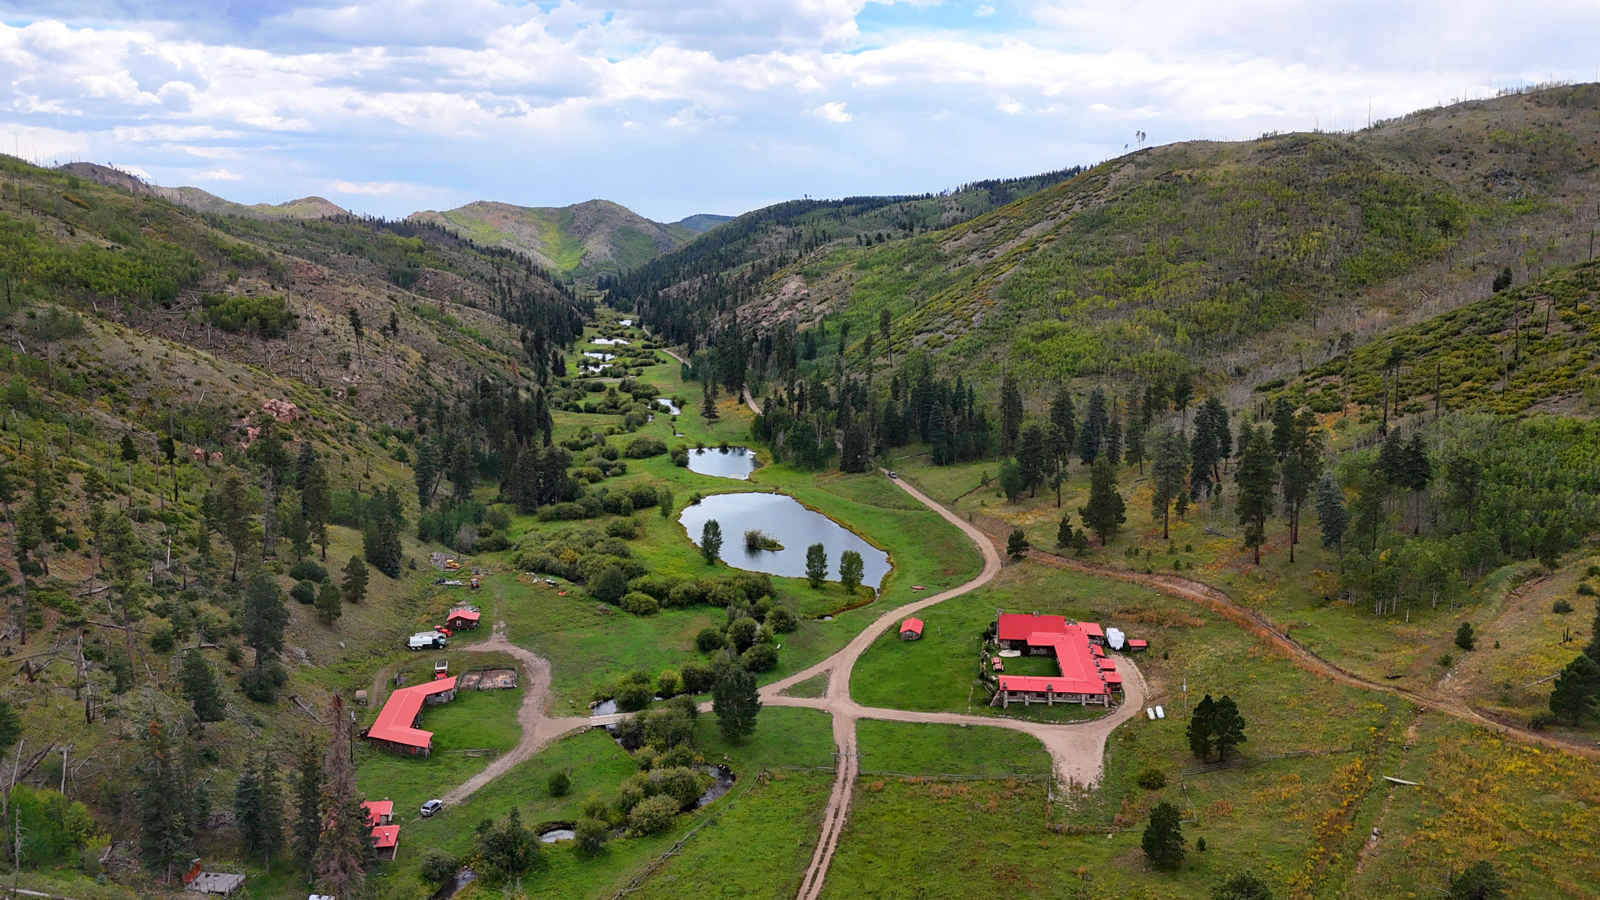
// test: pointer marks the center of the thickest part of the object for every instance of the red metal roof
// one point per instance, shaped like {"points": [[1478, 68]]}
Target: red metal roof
{"points": [[394, 720], [1111, 677], [1091, 629], [912, 625], [1107, 664], [1138, 643], [1097, 650], [377, 809], [1017, 626], [385, 836], [1042, 684], [466, 614]]}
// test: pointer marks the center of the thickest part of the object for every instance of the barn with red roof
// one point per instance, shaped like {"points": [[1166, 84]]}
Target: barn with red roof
{"points": [[395, 729], [1086, 675], [911, 630]]}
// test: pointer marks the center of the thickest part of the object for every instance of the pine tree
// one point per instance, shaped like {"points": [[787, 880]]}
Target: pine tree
{"points": [[1105, 511], [316, 502], [1010, 413], [329, 606], [237, 516], [1113, 442], [1133, 453], [1058, 451], [1302, 466], [341, 854], [1091, 437], [172, 802], [711, 541], [10, 726], [1017, 544], [1256, 477], [1227, 727], [1163, 842], [1332, 518], [1030, 458], [1202, 728], [1169, 469], [1576, 690], [265, 618], [306, 831], [735, 701], [1064, 416], [1064, 532], [1478, 881], [1416, 475], [851, 571], [258, 807], [200, 688], [425, 472], [816, 565], [354, 587]]}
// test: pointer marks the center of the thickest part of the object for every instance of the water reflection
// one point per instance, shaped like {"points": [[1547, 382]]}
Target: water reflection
{"points": [[785, 519]]}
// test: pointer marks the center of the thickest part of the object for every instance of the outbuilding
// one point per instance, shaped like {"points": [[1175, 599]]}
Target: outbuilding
{"points": [[462, 619], [395, 729], [911, 630], [385, 841]]}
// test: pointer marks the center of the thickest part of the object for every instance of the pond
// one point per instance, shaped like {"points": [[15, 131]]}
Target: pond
{"points": [[610, 342], [671, 407], [601, 356], [626, 323], [734, 462], [794, 526]]}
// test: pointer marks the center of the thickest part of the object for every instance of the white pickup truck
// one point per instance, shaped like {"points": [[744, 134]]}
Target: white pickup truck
{"points": [[427, 640]]}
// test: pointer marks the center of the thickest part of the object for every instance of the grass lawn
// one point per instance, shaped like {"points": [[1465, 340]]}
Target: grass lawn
{"points": [[475, 720], [815, 686], [905, 748]]}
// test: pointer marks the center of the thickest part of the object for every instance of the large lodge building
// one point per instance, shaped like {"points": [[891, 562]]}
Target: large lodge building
{"points": [[1087, 676]]}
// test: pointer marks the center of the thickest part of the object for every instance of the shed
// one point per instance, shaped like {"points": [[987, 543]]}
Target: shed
{"points": [[1135, 645], [396, 728], [379, 812], [911, 630], [462, 619], [385, 841]]}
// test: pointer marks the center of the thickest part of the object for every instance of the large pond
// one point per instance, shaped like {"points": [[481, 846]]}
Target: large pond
{"points": [[734, 462], [795, 527]]}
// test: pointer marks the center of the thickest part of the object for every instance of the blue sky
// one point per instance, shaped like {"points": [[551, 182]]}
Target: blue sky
{"points": [[674, 107]]}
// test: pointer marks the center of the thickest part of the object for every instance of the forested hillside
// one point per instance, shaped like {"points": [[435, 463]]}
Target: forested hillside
{"points": [[581, 241]]}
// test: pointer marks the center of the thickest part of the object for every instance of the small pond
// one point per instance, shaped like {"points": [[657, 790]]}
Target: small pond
{"points": [[671, 407], [785, 519], [722, 785], [610, 342], [604, 708], [734, 462], [557, 834], [627, 323], [601, 356]]}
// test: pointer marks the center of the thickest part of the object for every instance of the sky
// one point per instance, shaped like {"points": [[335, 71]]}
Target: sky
{"points": [[677, 107]]}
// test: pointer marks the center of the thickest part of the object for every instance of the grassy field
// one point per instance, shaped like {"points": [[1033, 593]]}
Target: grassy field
{"points": [[903, 748]]}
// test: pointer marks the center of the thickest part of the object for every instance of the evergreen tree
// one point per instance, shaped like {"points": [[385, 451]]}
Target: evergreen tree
{"points": [[664, 501], [10, 726], [1282, 428], [258, 807], [1302, 466], [380, 544], [425, 472], [1105, 511], [1163, 841], [1064, 416], [1113, 442], [316, 502], [460, 470], [1058, 453], [237, 512], [1332, 518], [708, 401], [816, 565], [1091, 437], [1010, 413], [128, 452], [1134, 451], [1227, 727], [1182, 394], [200, 688], [1031, 458], [1576, 690], [329, 606], [264, 618], [1169, 469], [1416, 475], [1244, 885], [735, 701], [1017, 544], [1064, 532], [172, 801], [354, 587], [1202, 728], [711, 541], [1478, 881], [851, 571], [1012, 480], [340, 860], [1256, 477], [306, 831]]}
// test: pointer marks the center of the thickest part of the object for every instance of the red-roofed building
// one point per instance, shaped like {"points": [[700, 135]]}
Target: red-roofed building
{"points": [[462, 619], [379, 812], [911, 630], [385, 841], [396, 727], [1074, 645], [1134, 646]]}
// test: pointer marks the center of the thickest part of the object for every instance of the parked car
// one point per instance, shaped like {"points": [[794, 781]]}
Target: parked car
{"points": [[892, 474], [431, 807]]}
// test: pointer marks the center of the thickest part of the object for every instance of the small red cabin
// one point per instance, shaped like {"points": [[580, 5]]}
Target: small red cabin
{"points": [[911, 630]]}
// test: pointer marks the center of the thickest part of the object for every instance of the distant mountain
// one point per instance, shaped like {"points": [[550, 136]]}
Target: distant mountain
{"points": [[703, 222], [202, 200], [580, 241]]}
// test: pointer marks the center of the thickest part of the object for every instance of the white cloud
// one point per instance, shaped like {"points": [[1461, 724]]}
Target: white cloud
{"points": [[833, 112], [218, 175], [489, 97]]}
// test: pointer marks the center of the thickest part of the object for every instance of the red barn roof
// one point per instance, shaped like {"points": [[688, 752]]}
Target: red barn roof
{"points": [[464, 614], [377, 810], [1107, 664], [1135, 644], [1097, 650], [394, 723], [1042, 684], [1091, 629], [912, 625], [385, 836], [1111, 677], [1017, 626]]}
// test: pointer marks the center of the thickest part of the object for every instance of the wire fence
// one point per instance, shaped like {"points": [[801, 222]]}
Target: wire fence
{"points": [[675, 849]]}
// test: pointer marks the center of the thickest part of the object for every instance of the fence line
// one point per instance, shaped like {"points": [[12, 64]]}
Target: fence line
{"points": [[675, 849]]}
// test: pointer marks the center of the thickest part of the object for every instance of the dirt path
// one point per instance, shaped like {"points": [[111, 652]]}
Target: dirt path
{"points": [[538, 729], [1076, 749]]}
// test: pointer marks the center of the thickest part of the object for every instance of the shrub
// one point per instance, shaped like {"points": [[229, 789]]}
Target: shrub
{"points": [[499, 518], [632, 697], [1585, 590], [559, 783], [162, 641], [644, 448], [1445, 660], [697, 678], [438, 866], [640, 604], [652, 816], [760, 658], [669, 683], [782, 621], [305, 592], [591, 835], [267, 316], [1592, 572], [1151, 778], [625, 528], [609, 584], [1465, 638], [743, 633], [1561, 607], [308, 570], [709, 640], [656, 586]]}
